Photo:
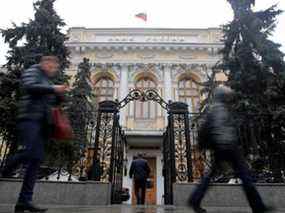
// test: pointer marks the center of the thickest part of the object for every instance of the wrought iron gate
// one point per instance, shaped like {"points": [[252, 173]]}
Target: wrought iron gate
{"points": [[176, 149], [109, 149], [110, 142], [168, 166]]}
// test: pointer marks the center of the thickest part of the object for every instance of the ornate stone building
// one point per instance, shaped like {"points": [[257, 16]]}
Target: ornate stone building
{"points": [[171, 61]]}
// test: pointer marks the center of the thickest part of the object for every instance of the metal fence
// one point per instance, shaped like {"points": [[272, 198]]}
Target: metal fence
{"points": [[4, 150], [66, 170], [261, 141]]}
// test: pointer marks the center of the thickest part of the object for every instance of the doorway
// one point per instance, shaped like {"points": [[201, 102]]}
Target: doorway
{"points": [[152, 189]]}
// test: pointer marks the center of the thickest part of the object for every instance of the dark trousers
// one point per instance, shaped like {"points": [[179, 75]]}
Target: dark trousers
{"points": [[140, 191], [31, 136], [233, 156]]}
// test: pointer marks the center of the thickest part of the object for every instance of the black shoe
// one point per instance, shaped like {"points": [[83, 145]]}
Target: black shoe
{"points": [[266, 209], [196, 208], [4, 173], [22, 207]]}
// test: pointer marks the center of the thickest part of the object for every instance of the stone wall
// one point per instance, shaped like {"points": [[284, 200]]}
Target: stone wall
{"points": [[59, 193], [228, 195]]}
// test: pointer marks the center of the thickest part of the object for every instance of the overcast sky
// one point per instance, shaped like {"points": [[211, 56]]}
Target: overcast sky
{"points": [[120, 13]]}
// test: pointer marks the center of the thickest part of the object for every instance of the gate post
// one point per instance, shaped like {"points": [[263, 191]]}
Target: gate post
{"points": [[179, 123], [177, 149], [109, 149], [104, 136]]}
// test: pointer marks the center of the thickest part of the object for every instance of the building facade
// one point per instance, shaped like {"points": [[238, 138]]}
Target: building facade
{"points": [[171, 61]]}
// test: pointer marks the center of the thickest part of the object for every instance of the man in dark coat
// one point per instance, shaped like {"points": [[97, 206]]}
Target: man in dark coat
{"points": [[140, 171], [34, 119], [218, 133]]}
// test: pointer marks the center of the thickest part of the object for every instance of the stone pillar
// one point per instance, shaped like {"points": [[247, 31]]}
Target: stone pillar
{"points": [[167, 87], [124, 90], [167, 83]]}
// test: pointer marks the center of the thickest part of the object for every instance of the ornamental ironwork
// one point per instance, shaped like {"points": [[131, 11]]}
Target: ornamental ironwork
{"points": [[104, 145], [109, 148], [180, 144], [168, 166], [176, 149], [143, 95], [109, 143]]}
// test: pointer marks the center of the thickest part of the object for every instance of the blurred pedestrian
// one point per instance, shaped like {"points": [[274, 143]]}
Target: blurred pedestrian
{"points": [[38, 97], [218, 133]]}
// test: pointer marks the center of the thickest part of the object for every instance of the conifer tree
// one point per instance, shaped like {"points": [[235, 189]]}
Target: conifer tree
{"points": [[81, 107], [256, 72], [41, 35], [253, 63]]}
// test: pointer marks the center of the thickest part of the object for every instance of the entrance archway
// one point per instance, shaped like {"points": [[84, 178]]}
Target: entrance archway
{"points": [[110, 144]]}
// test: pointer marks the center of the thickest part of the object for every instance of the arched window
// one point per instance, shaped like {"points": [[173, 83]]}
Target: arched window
{"points": [[188, 92], [104, 89], [145, 110]]}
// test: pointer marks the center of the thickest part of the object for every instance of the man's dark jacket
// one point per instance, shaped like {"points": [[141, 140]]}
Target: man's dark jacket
{"points": [[38, 95], [219, 128], [139, 169]]}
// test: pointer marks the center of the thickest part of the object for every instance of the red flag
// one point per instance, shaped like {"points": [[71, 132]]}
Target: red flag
{"points": [[142, 16]]}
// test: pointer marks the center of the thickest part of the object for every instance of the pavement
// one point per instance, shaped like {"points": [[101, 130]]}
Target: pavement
{"points": [[133, 209]]}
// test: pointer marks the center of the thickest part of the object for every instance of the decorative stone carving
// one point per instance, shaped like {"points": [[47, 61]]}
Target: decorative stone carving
{"points": [[113, 69], [153, 69], [145, 35], [196, 69], [146, 55], [186, 56], [75, 37], [104, 54]]}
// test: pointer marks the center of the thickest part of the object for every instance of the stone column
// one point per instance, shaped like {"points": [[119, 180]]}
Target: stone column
{"points": [[167, 86], [167, 83], [124, 90]]}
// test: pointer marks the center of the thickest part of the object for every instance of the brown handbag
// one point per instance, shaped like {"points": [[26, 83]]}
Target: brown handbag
{"points": [[62, 129]]}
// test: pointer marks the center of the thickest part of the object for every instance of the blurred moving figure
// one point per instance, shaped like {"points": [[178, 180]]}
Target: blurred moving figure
{"points": [[39, 95], [140, 171], [218, 133]]}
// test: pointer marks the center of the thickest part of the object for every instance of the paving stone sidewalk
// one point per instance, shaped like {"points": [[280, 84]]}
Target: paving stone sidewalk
{"points": [[132, 209]]}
